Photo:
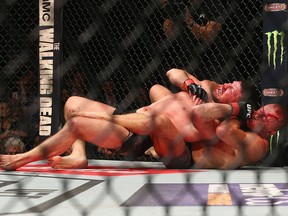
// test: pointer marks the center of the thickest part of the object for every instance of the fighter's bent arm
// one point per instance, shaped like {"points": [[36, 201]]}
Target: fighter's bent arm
{"points": [[251, 145], [206, 117], [178, 76]]}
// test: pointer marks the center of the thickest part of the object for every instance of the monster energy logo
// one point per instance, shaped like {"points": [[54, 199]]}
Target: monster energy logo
{"points": [[271, 141], [277, 39]]}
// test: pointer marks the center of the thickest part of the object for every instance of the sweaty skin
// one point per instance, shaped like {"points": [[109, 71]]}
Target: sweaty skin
{"points": [[101, 133], [226, 145], [216, 93], [178, 111], [229, 92]]}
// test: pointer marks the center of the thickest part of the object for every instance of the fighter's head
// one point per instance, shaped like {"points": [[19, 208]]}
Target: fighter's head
{"points": [[235, 92], [268, 119]]}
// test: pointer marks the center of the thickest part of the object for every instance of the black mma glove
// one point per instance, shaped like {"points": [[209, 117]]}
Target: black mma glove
{"points": [[242, 110], [194, 89]]}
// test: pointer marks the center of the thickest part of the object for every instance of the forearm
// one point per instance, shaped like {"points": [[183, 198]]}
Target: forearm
{"points": [[210, 111], [178, 76], [205, 118]]}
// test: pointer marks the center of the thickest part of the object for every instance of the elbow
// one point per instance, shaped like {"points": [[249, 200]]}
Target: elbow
{"points": [[171, 74]]}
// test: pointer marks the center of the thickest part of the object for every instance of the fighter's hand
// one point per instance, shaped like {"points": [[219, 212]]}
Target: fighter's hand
{"points": [[242, 110], [197, 100], [194, 89]]}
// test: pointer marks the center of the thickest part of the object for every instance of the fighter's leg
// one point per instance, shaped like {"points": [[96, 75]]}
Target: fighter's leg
{"points": [[99, 132], [76, 103], [77, 158], [156, 92]]}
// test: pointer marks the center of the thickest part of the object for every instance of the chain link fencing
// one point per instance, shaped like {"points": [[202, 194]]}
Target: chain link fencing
{"points": [[114, 51]]}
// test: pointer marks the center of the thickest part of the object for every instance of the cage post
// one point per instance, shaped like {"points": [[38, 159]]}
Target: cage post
{"points": [[50, 19]]}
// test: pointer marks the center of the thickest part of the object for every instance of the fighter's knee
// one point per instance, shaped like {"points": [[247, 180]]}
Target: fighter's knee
{"points": [[70, 106], [71, 102]]}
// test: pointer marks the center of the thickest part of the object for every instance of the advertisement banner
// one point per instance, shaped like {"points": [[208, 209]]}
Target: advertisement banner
{"points": [[274, 71], [49, 66]]}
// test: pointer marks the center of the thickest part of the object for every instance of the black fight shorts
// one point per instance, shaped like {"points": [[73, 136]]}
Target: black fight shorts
{"points": [[184, 161]]}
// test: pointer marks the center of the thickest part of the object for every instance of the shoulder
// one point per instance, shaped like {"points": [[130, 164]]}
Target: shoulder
{"points": [[257, 146]]}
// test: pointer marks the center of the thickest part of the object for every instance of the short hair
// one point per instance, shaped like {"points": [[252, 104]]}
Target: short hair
{"points": [[250, 93]]}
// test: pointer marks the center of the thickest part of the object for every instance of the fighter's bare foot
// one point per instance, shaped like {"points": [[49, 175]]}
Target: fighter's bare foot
{"points": [[67, 162], [10, 162]]}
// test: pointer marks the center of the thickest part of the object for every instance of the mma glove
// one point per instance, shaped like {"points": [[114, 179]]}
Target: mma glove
{"points": [[193, 89], [242, 110]]}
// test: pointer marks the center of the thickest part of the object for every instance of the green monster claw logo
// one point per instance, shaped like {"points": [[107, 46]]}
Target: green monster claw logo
{"points": [[277, 38], [271, 141]]}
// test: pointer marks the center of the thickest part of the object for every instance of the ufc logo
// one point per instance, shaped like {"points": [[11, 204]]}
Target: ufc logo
{"points": [[249, 110]]}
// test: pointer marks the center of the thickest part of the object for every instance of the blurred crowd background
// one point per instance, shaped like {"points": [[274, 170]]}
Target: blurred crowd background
{"points": [[115, 50]]}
